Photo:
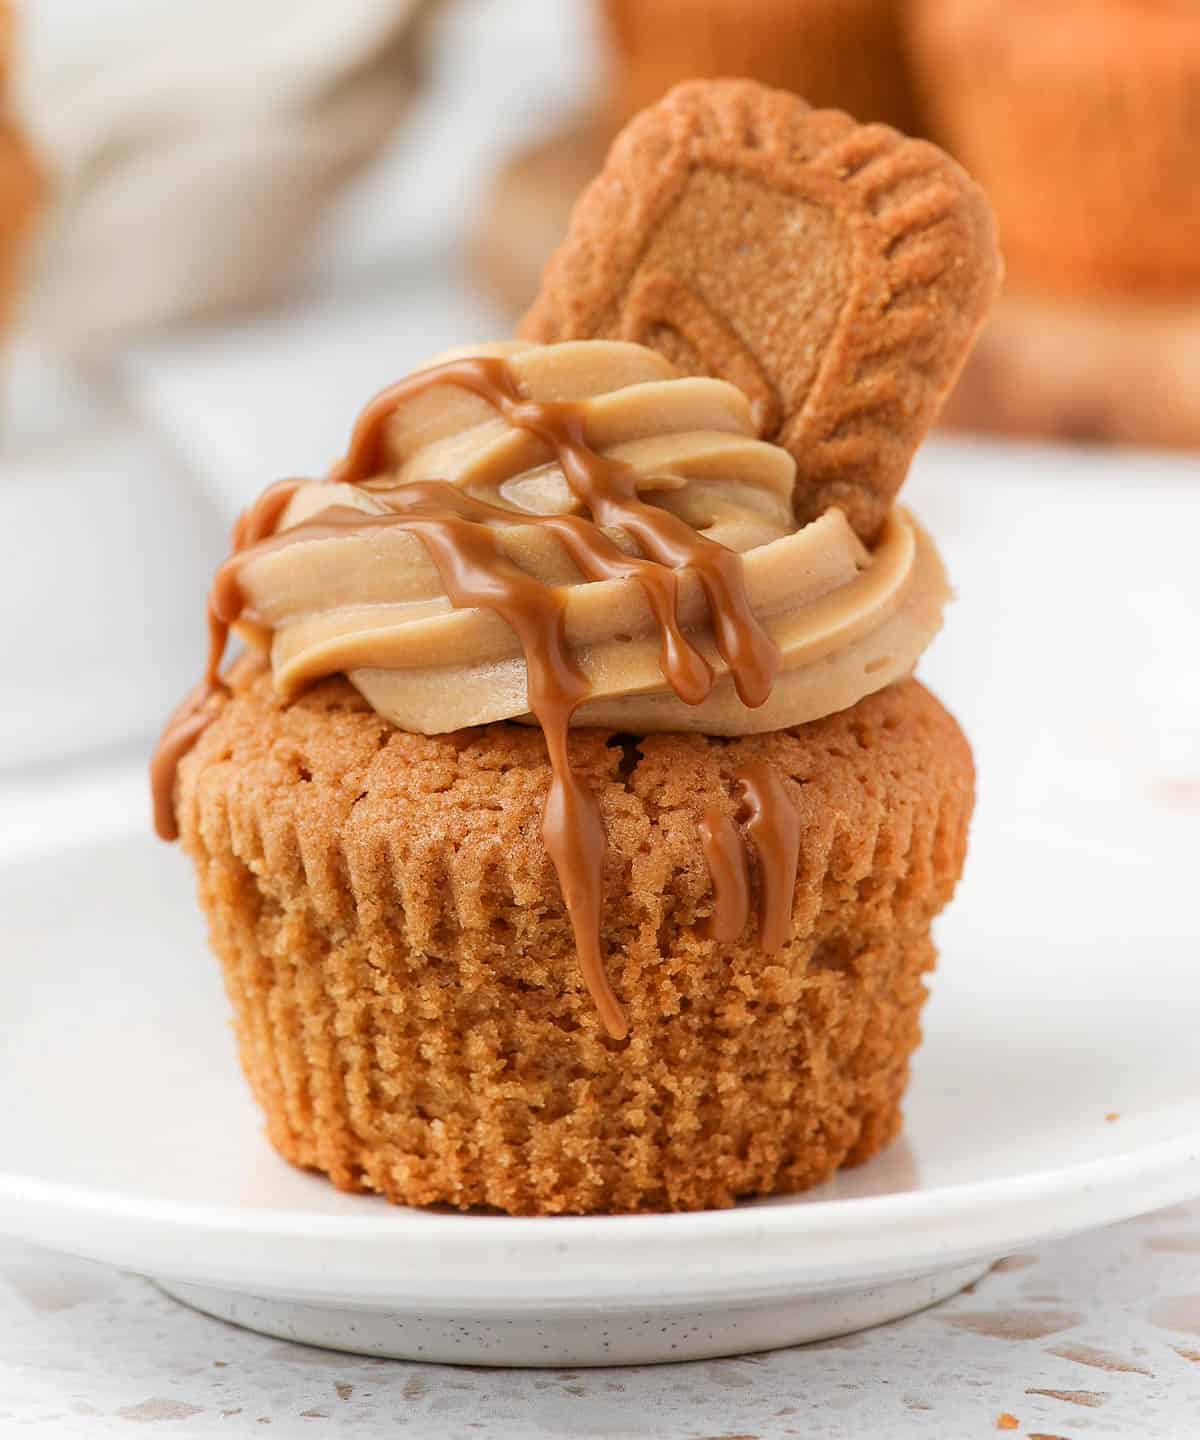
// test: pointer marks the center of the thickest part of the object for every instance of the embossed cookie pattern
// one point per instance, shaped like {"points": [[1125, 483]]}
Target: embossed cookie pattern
{"points": [[837, 273]]}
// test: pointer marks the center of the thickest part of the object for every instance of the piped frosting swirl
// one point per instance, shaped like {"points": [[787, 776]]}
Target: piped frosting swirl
{"points": [[576, 534], [368, 599]]}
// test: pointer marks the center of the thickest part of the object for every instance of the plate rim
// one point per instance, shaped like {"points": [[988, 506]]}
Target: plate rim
{"points": [[449, 1260], [484, 1260]]}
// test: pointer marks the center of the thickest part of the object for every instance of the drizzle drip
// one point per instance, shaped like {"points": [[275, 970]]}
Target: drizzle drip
{"points": [[725, 854], [190, 720], [773, 828], [460, 534]]}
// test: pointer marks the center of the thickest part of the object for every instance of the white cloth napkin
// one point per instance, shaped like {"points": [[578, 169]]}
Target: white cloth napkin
{"points": [[194, 149]]}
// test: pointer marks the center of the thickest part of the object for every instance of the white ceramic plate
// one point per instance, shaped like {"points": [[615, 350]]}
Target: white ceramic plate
{"points": [[126, 1135]]}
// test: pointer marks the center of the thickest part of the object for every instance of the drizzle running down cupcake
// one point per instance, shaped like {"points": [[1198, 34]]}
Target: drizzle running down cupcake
{"points": [[570, 830]]}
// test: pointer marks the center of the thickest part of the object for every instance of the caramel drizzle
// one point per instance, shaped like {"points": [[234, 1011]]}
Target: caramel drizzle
{"points": [[459, 534], [607, 489], [190, 720], [729, 867], [773, 828]]}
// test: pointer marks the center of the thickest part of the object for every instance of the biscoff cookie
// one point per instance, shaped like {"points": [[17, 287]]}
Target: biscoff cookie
{"points": [[407, 1003], [837, 273], [1080, 117], [842, 53]]}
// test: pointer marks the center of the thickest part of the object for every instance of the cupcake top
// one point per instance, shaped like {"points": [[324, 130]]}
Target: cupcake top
{"points": [[691, 534], [579, 534], [623, 522]]}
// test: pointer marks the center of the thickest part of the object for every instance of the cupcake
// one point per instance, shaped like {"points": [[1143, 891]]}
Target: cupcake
{"points": [[841, 53], [1081, 119], [21, 182], [571, 828]]}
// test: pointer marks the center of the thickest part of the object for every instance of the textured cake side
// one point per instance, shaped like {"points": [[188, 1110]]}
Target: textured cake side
{"points": [[405, 991]]}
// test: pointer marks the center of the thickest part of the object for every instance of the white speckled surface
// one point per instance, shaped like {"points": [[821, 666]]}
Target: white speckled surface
{"points": [[1098, 1336]]}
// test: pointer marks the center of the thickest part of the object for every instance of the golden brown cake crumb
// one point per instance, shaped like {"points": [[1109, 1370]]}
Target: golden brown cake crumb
{"points": [[402, 971]]}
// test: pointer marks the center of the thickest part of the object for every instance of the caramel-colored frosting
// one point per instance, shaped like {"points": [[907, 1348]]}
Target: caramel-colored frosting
{"points": [[370, 601]]}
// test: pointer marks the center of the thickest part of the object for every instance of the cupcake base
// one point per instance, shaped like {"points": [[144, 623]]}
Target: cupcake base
{"points": [[1117, 371], [407, 1002]]}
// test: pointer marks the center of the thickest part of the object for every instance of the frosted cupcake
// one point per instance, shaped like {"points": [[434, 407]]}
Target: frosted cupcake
{"points": [[1081, 118], [571, 831]]}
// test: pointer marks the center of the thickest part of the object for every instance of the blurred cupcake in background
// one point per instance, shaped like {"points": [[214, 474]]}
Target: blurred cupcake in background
{"points": [[21, 183], [841, 54], [1081, 119], [838, 54]]}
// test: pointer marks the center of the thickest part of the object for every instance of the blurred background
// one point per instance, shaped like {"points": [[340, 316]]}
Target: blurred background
{"points": [[223, 226]]}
